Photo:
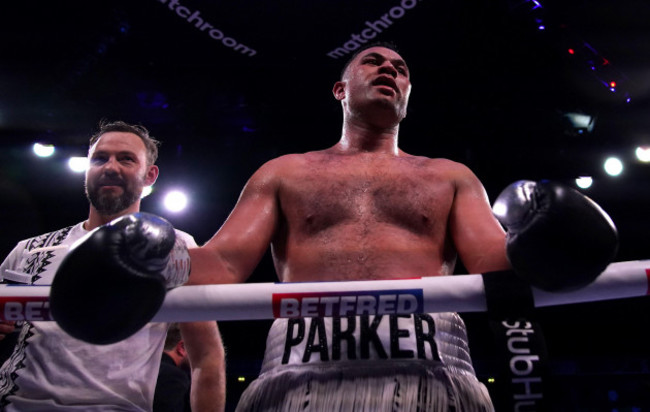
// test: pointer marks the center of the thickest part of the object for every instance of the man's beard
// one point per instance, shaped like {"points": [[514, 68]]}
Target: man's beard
{"points": [[111, 204]]}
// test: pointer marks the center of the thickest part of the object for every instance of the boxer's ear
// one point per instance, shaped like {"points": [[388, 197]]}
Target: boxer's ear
{"points": [[339, 90]]}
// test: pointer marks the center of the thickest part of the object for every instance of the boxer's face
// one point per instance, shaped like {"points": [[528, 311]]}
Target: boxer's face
{"points": [[117, 172], [377, 75]]}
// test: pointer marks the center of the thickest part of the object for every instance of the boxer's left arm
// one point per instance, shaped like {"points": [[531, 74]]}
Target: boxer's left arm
{"points": [[558, 239], [478, 237], [207, 361]]}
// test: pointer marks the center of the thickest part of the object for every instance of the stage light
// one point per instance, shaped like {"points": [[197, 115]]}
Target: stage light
{"points": [[175, 201], [584, 182], [643, 153], [613, 166], [43, 150], [580, 122], [146, 191], [571, 51], [78, 164]]}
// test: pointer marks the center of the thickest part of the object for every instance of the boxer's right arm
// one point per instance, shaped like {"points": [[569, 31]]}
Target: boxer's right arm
{"points": [[235, 250], [113, 280]]}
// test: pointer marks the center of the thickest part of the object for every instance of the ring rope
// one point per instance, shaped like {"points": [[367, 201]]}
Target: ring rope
{"points": [[254, 301]]}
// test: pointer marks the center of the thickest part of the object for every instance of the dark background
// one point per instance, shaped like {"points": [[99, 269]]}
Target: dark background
{"points": [[490, 89]]}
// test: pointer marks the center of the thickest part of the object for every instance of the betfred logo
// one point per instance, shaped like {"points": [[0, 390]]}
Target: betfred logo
{"points": [[25, 308], [377, 302]]}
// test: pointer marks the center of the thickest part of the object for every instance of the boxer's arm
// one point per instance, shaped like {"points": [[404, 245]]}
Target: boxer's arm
{"points": [[113, 280], [235, 250], [207, 361], [558, 239], [478, 237]]}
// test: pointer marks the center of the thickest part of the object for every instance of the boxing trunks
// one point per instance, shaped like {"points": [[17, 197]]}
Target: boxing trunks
{"points": [[377, 363]]}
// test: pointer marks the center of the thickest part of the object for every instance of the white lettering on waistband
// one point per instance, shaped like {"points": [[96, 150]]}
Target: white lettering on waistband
{"points": [[360, 338]]}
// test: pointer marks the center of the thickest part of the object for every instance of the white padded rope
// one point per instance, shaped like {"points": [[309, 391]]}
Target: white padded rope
{"points": [[249, 301]]}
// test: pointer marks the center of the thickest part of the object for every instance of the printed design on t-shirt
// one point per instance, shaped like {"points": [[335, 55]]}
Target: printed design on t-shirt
{"points": [[37, 262], [8, 372]]}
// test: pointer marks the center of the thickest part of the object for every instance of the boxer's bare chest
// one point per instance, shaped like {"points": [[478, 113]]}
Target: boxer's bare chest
{"points": [[360, 193]]}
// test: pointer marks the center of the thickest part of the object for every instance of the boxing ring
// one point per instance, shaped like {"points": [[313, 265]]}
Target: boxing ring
{"points": [[255, 301], [519, 338]]}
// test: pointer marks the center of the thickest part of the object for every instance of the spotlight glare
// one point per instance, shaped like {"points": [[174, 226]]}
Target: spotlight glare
{"points": [[78, 164], [584, 182], [643, 153], [146, 191], [175, 201], [43, 150], [613, 166]]}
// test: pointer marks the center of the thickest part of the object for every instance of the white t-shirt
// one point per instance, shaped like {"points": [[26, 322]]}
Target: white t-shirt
{"points": [[51, 371]]}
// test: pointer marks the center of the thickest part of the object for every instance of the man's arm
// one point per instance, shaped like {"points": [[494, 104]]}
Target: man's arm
{"points": [[235, 250], [207, 361], [478, 236]]}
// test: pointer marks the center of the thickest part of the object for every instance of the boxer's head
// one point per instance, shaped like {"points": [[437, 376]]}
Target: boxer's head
{"points": [[375, 81]]}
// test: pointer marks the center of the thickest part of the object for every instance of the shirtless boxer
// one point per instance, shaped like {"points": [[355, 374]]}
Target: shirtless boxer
{"points": [[361, 210]]}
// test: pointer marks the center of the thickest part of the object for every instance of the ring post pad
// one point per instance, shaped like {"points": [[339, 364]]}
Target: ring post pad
{"points": [[522, 353], [507, 295]]}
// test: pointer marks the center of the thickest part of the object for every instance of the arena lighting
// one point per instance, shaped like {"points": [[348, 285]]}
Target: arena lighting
{"points": [[580, 122], [146, 191], [613, 166], [78, 164], [175, 201], [584, 182], [643, 154], [43, 150]]}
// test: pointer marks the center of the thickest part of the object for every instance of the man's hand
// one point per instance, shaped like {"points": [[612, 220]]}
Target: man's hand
{"points": [[6, 327], [558, 239], [114, 280]]}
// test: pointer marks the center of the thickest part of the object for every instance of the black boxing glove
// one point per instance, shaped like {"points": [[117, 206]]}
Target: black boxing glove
{"points": [[557, 238], [114, 279]]}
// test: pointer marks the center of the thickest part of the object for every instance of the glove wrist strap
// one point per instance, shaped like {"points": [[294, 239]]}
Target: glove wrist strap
{"points": [[178, 267]]}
